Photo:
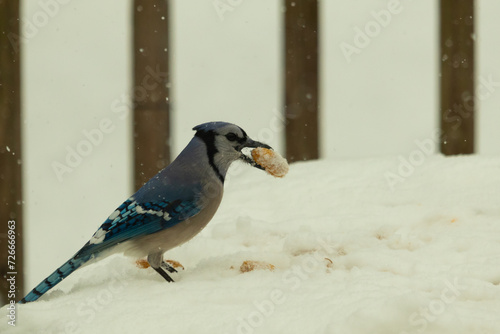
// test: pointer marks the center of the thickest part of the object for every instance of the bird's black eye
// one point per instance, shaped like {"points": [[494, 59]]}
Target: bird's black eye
{"points": [[232, 136]]}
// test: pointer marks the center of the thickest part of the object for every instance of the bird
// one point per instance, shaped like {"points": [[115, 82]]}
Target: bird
{"points": [[169, 209]]}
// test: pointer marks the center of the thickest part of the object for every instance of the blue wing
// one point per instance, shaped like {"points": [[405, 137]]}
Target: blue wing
{"points": [[133, 219]]}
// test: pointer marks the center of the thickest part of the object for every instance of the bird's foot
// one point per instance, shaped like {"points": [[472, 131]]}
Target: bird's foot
{"points": [[169, 265], [164, 274], [164, 265]]}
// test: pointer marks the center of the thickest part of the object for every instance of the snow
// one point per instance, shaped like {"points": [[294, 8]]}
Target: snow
{"points": [[351, 254]]}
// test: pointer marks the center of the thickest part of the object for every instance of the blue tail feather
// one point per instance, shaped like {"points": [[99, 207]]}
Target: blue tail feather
{"points": [[57, 276]]}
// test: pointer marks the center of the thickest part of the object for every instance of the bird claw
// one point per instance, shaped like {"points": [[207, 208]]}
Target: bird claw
{"points": [[165, 265], [169, 265]]}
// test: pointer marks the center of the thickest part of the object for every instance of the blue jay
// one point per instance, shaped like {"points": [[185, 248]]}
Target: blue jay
{"points": [[169, 209]]}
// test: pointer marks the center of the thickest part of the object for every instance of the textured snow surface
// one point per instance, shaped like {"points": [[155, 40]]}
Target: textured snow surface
{"points": [[352, 253]]}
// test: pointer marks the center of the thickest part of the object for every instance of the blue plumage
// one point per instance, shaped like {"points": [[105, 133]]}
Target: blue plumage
{"points": [[129, 223], [57, 276], [169, 209]]}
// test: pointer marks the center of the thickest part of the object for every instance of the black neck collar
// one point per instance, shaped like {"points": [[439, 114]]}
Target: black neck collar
{"points": [[209, 140]]}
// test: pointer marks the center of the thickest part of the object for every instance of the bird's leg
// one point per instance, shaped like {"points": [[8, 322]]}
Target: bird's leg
{"points": [[155, 260], [163, 274], [165, 265]]}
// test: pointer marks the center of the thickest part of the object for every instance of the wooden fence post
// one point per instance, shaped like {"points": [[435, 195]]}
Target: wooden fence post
{"points": [[457, 91], [150, 93], [11, 199], [301, 79]]}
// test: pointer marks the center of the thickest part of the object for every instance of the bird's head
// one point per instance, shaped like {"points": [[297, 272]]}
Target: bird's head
{"points": [[225, 142]]}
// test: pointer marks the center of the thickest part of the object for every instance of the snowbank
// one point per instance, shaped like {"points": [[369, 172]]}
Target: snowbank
{"points": [[353, 252]]}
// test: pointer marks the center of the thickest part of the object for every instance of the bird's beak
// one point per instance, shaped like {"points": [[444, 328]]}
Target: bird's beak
{"points": [[250, 143], [254, 144]]}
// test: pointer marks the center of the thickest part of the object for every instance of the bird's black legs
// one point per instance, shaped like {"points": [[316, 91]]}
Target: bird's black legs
{"points": [[167, 266], [156, 262], [163, 274]]}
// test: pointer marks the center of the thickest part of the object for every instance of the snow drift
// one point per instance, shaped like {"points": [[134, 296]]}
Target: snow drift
{"points": [[343, 248]]}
